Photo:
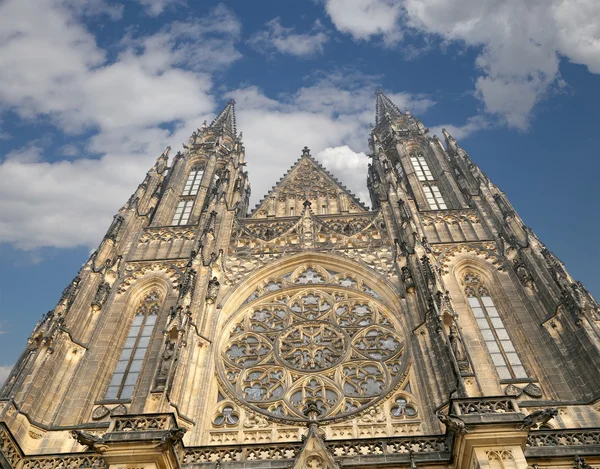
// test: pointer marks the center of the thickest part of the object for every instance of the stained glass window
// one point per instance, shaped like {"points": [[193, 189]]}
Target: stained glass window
{"points": [[134, 350]]}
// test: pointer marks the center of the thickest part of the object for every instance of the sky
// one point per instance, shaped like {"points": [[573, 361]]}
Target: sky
{"points": [[92, 91]]}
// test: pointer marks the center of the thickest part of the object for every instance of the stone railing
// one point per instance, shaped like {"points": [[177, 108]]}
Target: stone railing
{"points": [[583, 437], [490, 405], [9, 448], [339, 449], [65, 462], [148, 422]]}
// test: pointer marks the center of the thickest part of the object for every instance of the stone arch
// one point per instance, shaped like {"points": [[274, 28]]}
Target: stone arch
{"points": [[235, 298], [328, 333]]}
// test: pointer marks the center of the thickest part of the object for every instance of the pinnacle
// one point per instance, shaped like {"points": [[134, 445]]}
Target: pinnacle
{"points": [[225, 121], [385, 107]]}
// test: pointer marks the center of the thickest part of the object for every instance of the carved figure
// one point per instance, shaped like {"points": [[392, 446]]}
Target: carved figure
{"points": [[456, 343], [453, 423], [407, 278], [174, 435], [101, 296], [212, 291], [93, 442], [538, 418]]}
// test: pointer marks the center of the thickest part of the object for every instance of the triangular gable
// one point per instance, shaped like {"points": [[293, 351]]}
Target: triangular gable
{"points": [[308, 180], [314, 454]]}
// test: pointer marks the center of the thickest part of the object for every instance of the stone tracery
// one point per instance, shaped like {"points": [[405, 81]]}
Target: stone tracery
{"points": [[316, 335]]}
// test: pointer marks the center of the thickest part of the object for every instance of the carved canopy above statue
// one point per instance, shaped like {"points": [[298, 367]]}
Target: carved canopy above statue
{"points": [[312, 335]]}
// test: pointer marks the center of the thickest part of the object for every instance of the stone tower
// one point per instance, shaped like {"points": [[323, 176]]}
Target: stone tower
{"points": [[434, 330]]}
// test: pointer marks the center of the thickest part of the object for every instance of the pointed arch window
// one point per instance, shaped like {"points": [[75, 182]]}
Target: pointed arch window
{"points": [[183, 212], [132, 356], [192, 185], [434, 197], [498, 342], [421, 168]]}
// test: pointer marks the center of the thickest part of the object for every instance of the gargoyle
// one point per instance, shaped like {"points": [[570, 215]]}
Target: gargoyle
{"points": [[93, 442], [173, 436], [538, 418], [453, 423]]}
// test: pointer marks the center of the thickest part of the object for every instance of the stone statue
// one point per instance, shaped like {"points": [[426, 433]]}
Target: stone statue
{"points": [[101, 296], [453, 423], [456, 343], [407, 278], [213, 290], [538, 418]]}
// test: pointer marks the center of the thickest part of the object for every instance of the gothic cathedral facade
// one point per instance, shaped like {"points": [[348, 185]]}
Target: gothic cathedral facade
{"points": [[432, 330]]}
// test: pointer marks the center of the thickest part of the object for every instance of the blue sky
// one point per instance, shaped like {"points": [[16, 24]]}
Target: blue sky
{"points": [[92, 91]]}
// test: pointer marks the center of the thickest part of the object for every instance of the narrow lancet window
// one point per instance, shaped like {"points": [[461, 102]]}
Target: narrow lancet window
{"points": [[130, 361], [421, 169], [192, 185], [499, 345], [182, 212], [434, 197]]}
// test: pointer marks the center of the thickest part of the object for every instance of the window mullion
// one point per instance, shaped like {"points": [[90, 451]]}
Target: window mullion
{"points": [[496, 337], [132, 355]]}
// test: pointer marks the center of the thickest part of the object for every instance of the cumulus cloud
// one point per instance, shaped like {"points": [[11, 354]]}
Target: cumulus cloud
{"points": [[4, 372], [520, 43], [157, 7], [52, 68], [473, 124], [124, 108], [364, 19], [286, 41], [331, 116]]}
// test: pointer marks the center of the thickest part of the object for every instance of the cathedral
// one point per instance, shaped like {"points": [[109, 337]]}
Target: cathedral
{"points": [[433, 330]]}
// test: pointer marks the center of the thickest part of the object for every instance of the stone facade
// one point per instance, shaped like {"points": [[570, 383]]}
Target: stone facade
{"points": [[433, 330]]}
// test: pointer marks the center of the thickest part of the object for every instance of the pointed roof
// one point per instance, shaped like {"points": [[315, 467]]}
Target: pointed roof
{"points": [[307, 176], [385, 108], [225, 121], [314, 452]]}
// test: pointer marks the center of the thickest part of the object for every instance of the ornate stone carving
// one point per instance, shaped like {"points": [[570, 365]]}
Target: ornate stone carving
{"points": [[136, 270], [453, 423], [538, 418], [582, 437], [331, 345], [100, 412], [101, 296], [171, 233], [9, 449], [533, 390], [212, 290]]}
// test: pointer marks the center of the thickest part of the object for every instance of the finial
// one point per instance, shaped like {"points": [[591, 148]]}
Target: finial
{"points": [[306, 204], [378, 91], [312, 410], [305, 151], [231, 101]]}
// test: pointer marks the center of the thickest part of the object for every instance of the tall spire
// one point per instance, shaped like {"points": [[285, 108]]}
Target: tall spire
{"points": [[225, 121], [385, 107]]}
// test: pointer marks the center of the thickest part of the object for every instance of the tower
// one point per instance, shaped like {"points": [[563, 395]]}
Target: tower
{"points": [[433, 330]]}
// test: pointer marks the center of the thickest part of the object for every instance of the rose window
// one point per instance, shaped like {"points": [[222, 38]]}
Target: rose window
{"points": [[309, 342]]}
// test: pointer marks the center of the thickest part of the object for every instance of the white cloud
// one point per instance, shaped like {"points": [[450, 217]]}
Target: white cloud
{"points": [[285, 40], [52, 68], [349, 167], [4, 372], [364, 19], [520, 42], [473, 124], [331, 117], [156, 7]]}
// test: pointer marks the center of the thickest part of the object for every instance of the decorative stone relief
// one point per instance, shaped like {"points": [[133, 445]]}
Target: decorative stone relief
{"points": [[342, 352], [136, 270], [486, 250]]}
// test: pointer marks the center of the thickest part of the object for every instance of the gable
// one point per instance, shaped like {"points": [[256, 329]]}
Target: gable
{"points": [[307, 180]]}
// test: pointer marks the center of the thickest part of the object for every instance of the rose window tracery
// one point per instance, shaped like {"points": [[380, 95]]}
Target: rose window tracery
{"points": [[315, 337]]}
